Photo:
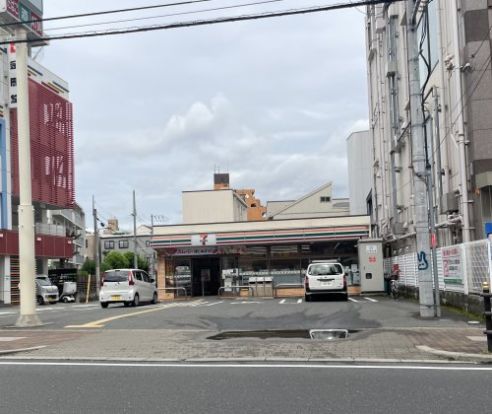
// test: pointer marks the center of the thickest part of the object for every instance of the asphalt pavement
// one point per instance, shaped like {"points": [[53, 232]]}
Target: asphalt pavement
{"points": [[190, 389]]}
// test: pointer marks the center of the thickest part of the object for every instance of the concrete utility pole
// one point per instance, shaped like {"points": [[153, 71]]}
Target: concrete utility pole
{"points": [[27, 255], [96, 246], [421, 200], [135, 259], [152, 258]]}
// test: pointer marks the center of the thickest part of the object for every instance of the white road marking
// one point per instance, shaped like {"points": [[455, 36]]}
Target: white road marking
{"points": [[243, 366], [299, 300], [6, 313], [353, 300], [282, 301], [215, 303], [11, 338], [371, 299], [49, 308], [477, 338]]}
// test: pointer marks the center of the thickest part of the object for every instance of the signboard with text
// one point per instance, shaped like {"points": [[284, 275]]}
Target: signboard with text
{"points": [[452, 265], [15, 11]]}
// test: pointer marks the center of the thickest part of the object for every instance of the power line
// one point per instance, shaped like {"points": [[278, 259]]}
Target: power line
{"points": [[179, 25], [256, 3], [100, 13]]}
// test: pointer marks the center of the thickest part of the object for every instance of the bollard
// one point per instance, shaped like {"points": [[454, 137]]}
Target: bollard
{"points": [[488, 314]]}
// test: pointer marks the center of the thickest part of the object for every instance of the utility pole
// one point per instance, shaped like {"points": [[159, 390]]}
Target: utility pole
{"points": [[27, 261], [421, 199], [96, 246], [135, 259], [152, 258]]}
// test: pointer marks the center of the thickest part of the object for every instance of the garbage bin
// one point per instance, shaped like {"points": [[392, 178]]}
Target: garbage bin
{"points": [[262, 286]]}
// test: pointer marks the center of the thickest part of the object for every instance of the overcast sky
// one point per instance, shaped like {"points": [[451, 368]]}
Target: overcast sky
{"points": [[271, 102]]}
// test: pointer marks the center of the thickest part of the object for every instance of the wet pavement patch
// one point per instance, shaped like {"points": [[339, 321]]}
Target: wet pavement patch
{"points": [[319, 334]]}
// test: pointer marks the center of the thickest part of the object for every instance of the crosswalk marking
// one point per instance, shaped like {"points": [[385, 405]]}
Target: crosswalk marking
{"points": [[371, 299]]}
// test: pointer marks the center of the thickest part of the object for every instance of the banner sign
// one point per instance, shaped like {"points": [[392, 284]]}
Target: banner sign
{"points": [[12, 77], [13, 11], [452, 265]]}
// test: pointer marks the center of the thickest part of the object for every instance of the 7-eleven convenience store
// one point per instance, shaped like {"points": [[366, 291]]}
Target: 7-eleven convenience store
{"points": [[202, 258]]}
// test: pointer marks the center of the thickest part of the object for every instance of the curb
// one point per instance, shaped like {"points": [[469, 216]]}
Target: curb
{"points": [[240, 360], [15, 351], [463, 356]]}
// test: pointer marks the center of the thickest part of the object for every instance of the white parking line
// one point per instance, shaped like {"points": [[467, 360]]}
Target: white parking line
{"points": [[299, 300], [6, 313], [49, 308], [371, 300], [353, 300], [215, 303], [282, 301], [11, 338]]}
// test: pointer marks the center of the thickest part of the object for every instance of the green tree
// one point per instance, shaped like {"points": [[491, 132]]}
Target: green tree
{"points": [[89, 266], [114, 260], [141, 262]]}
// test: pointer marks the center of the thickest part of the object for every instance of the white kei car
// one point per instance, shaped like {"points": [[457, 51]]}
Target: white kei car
{"points": [[128, 286]]}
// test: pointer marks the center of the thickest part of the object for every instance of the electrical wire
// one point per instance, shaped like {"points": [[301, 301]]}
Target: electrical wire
{"points": [[178, 25], [256, 3], [100, 13]]}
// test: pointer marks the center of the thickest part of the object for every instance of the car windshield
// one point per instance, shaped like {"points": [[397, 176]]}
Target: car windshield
{"points": [[325, 269], [116, 276], [43, 282]]}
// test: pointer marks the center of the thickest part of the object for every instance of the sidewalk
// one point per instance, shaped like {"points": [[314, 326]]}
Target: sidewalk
{"points": [[412, 344]]}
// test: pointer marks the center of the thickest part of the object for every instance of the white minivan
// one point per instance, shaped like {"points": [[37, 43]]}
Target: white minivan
{"points": [[325, 278], [128, 286]]}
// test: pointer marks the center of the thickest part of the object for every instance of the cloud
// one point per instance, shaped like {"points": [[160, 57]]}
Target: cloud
{"points": [[272, 102]]}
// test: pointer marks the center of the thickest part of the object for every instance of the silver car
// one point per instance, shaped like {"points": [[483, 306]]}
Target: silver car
{"points": [[46, 292], [128, 286], [325, 278]]}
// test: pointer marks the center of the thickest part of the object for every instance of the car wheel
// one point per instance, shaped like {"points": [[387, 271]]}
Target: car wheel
{"points": [[136, 300], [127, 304], [345, 297], [40, 300], [104, 305], [154, 298], [307, 298]]}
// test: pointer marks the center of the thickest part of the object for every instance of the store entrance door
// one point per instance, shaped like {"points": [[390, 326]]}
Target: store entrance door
{"points": [[206, 276]]}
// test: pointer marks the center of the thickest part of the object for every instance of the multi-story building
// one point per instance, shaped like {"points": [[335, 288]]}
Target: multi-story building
{"points": [[73, 223], [52, 162], [359, 150], [318, 203], [456, 84]]}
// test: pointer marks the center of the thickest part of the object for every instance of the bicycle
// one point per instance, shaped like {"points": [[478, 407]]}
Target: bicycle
{"points": [[395, 289]]}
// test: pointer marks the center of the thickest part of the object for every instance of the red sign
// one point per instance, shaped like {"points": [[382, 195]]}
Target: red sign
{"points": [[13, 7], [372, 259]]}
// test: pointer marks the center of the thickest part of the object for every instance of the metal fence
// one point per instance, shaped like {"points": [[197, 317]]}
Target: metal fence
{"points": [[461, 268]]}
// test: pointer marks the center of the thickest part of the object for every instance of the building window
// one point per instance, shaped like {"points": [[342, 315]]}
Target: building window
{"points": [[123, 244], [109, 244], [325, 199]]}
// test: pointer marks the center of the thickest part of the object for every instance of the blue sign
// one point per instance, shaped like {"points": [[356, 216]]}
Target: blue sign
{"points": [[488, 229]]}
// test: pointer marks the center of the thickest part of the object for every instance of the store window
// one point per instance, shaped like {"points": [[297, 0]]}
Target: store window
{"points": [[253, 262], [285, 265]]}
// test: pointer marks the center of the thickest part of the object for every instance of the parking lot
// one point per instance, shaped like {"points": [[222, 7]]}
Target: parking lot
{"points": [[216, 314]]}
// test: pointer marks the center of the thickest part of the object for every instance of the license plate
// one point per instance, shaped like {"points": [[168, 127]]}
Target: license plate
{"points": [[326, 283], [116, 297]]}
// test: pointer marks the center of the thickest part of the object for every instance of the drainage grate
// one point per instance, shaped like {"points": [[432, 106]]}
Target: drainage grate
{"points": [[329, 334], [317, 334]]}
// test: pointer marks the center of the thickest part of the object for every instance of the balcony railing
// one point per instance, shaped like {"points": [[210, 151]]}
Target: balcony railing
{"points": [[46, 245], [51, 229]]}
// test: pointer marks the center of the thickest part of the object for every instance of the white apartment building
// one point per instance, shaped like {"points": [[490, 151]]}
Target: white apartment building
{"points": [[456, 78]]}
